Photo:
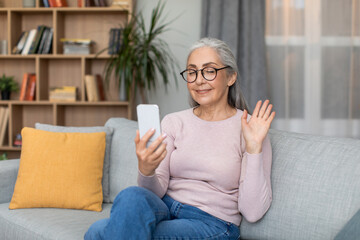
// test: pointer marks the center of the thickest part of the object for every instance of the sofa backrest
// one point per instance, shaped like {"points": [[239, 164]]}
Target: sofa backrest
{"points": [[123, 160], [316, 187], [315, 182]]}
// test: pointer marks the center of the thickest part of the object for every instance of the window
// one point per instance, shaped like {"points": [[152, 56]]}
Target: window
{"points": [[313, 51]]}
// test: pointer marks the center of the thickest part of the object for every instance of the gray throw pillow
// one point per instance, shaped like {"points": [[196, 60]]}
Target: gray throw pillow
{"points": [[109, 132]]}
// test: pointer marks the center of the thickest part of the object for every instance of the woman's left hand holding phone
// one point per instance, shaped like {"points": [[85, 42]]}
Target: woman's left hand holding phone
{"points": [[149, 158]]}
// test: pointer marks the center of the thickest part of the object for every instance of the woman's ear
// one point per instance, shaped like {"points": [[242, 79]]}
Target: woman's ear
{"points": [[232, 79]]}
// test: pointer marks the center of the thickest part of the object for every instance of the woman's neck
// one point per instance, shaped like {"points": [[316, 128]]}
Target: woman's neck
{"points": [[214, 113]]}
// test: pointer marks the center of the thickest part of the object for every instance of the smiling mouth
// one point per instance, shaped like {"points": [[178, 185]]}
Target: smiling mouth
{"points": [[203, 91]]}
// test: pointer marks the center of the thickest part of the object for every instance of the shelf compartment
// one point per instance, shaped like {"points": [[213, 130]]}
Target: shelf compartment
{"points": [[97, 66], [10, 4], [26, 20], [58, 73], [88, 115], [12, 152], [94, 25], [3, 26], [26, 115], [17, 67]]}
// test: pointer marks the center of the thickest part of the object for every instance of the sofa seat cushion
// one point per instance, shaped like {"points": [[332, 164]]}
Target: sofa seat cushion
{"points": [[47, 223], [316, 187]]}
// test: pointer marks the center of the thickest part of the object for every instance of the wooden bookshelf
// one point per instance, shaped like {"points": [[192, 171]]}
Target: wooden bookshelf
{"points": [[57, 69]]}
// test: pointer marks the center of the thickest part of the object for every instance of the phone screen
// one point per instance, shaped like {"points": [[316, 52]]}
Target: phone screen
{"points": [[148, 118]]}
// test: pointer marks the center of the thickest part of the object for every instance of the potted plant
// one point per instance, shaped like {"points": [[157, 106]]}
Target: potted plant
{"points": [[142, 55], [3, 156], [7, 85]]}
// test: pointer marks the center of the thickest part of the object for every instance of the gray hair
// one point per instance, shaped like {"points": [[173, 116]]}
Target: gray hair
{"points": [[235, 96]]}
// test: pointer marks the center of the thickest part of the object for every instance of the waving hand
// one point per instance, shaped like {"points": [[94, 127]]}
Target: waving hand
{"points": [[256, 129]]}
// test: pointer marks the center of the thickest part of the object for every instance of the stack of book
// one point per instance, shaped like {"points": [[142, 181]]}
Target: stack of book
{"points": [[94, 88], [63, 94], [55, 3], [28, 87], [120, 3], [114, 40], [35, 41], [4, 121], [76, 46]]}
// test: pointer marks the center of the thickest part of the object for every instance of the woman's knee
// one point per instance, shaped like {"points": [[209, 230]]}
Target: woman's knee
{"points": [[96, 230], [138, 199], [133, 193]]}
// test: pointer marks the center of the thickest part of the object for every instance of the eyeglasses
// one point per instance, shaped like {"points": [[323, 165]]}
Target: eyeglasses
{"points": [[209, 73]]}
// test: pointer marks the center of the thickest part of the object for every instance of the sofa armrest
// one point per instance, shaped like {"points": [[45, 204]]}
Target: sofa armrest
{"points": [[8, 174]]}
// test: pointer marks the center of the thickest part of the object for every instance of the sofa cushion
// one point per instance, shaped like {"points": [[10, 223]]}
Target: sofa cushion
{"points": [[61, 170], [316, 187], [109, 133], [47, 223], [351, 230], [123, 160], [8, 174]]}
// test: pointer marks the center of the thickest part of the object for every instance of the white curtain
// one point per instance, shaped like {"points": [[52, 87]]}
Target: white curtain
{"points": [[313, 55]]}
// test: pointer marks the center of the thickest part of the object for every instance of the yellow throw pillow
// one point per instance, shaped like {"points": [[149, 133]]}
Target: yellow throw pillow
{"points": [[60, 170]]}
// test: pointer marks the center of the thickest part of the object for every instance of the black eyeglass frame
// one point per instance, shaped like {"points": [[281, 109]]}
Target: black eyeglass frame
{"points": [[202, 73]]}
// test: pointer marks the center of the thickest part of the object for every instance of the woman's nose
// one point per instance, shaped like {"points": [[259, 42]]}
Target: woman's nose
{"points": [[200, 79]]}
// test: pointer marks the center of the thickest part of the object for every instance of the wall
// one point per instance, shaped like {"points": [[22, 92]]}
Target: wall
{"points": [[184, 31]]}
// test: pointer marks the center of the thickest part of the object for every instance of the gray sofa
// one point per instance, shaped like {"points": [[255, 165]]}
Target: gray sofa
{"points": [[315, 180]]}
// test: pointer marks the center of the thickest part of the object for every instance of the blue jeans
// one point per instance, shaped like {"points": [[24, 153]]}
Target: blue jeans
{"points": [[138, 213]]}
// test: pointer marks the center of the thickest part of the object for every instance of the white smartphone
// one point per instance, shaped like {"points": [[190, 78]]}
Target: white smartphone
{"points": [[149, 117]]}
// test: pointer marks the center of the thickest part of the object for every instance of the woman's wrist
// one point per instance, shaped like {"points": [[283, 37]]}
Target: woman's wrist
{"points": [[253, 149], [146, 173]]}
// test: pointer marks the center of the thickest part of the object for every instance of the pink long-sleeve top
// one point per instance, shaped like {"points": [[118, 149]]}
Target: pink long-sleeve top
{"points": [[207, 167]]}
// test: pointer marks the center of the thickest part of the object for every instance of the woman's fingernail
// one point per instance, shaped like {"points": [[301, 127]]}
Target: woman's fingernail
{"points": [[164, 135], [153, 129]]}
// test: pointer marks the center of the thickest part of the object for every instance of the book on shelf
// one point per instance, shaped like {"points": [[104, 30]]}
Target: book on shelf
{"points": [[61, 3], [46, 3], [52, 3], [28, 42], [48, 42], [100, 3], [24, 86], [36, 42], [91, 88], [55, 3], [20, 43], [63, 94], [100, 87], [31, 89], [114, 40], [4, 124], [43, 40], [28, 87], [89, 3]]}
